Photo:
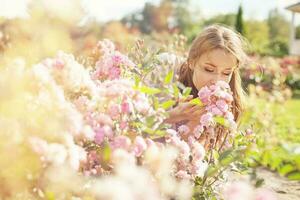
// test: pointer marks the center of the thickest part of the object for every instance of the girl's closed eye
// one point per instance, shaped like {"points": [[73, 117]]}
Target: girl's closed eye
{"points": [[227, 73], [208, 69]]}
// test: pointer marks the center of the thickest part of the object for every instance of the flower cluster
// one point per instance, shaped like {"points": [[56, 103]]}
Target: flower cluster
{"points": [[110, 65], [112, 114], [190, 162], [217, 100]]}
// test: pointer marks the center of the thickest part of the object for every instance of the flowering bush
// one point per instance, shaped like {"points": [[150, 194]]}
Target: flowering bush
{"points": [[272, 74], [101, 134]]}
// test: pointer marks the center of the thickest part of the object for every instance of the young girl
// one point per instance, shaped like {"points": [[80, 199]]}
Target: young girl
{"points": [[216, 54]]}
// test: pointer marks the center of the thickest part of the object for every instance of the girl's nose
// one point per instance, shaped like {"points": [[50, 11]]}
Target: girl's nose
{"points": [[217, 77]]}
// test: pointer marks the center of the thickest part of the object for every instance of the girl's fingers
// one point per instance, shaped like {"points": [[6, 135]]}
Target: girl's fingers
{"points": [[186, 107], [188, 98], [196, 108]]}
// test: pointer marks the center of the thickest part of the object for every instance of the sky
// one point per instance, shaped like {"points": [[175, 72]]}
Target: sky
{"points": [[104, 10], [255, 9]]}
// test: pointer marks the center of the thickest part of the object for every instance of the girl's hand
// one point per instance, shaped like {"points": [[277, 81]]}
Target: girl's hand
{"points": [[185, 111]]}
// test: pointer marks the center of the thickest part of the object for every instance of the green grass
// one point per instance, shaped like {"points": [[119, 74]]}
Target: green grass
{"points": [[277, 142], [287, 120]]}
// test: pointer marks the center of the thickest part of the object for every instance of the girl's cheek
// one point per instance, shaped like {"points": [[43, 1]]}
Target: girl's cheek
{"points": [[201, 80]]}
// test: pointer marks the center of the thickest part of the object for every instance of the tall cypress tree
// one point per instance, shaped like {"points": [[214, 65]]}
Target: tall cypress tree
{"points": [[239, 24]]}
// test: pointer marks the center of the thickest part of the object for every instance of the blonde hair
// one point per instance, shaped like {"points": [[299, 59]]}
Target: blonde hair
{"points": [[211, 38]]}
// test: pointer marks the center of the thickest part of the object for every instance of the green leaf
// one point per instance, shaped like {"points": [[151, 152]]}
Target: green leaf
{"points": [[286, 169], [198, 180], [167, 104], [137, 124], [225, 154], [169, 77], [156, 103], [106, 152], [137, 80], [148, 90], [220, 120], [211, 171], [149, 131], [154, 132], [216, 155], [294, 176], [196, 101], [176, 90], [187, 91], [226, 157], [150, 121]]}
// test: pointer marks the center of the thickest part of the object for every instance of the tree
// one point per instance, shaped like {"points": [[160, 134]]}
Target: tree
{"points": [[278, 33], [186, 20], [278, 25], [151, 18], [257, 33], [239, 24], [226, 19]]}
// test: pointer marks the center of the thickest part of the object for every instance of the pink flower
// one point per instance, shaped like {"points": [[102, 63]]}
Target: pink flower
{"points": [[99, 137], [121, 142], [222, 105], [106, 46], [204, 94], [125, 108], [216, 111], [123, 125], [212, 87], [114, 111], [108, 131], [198, 151], [206, 119], [198, 131], [184, 148], [114, 73], [117, 58], [183, 129], [103, 65], [104, 119], [139, 146], [182, 174], [249, 131]]}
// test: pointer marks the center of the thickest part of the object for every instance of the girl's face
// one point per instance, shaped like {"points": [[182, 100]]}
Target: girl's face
{"points": [[213, 66]]}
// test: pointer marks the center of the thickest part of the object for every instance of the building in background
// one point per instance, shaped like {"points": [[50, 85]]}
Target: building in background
{"points": [[294, 42]]}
